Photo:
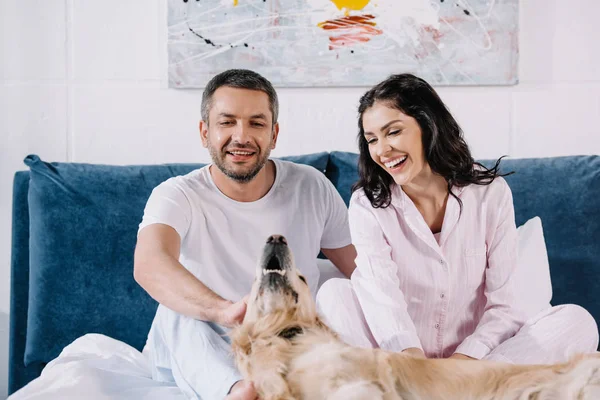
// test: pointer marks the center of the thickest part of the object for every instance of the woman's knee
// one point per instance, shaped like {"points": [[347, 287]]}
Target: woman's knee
{"points": [[581, 322], [333, 292], [587, 322], [340, 309]]}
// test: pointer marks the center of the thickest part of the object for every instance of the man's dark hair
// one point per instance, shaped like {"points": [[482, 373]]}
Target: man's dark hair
{"points": [[241, 79]]}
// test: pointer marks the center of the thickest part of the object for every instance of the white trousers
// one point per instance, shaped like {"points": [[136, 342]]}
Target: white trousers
{"points": [[552, 336], [196, 355]]}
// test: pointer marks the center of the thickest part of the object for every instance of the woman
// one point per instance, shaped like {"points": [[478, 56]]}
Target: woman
{"points": [[437, 245]]}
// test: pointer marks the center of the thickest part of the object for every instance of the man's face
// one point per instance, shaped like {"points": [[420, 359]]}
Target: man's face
{"points": [[240, 133]]}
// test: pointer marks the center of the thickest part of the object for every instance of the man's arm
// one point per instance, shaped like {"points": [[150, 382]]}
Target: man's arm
{"points": [[343, 258], [158, 271]]}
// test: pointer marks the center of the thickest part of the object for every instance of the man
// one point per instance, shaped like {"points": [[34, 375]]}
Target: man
{"points": [[202, 233]]}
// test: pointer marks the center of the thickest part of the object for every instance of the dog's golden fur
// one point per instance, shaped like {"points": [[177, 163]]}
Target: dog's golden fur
{"points": [[315, 364]]}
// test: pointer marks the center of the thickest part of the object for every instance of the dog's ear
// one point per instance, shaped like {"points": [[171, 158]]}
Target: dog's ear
{"points": [[241, 347], [320, 322], [240, 340], [322, 325]]}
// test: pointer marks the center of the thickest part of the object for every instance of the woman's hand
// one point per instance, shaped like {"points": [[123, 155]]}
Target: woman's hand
{"points": [[414, 352], [459, 356]]}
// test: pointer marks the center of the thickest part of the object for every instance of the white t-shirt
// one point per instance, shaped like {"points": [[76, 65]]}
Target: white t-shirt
{"points": [[222, 239]]}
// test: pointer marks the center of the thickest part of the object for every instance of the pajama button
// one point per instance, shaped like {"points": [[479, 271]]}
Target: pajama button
{"points": [[437, 326], [442, 295], [442, 262]]}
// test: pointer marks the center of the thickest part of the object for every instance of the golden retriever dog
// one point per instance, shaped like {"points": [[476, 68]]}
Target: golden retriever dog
{"points": [[289, 353]]}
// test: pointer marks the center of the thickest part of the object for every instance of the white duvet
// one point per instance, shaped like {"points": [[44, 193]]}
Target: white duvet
{"points": [[97, 367]]}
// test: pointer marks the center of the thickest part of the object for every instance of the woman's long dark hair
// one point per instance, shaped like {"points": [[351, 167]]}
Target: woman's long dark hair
{"points": [[445, 149]]}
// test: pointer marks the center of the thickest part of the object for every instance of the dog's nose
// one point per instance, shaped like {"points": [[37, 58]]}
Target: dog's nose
{"points": [[276, 239]]}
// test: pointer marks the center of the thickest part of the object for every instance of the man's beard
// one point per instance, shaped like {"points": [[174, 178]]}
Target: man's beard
{"points": [[218, 159]]}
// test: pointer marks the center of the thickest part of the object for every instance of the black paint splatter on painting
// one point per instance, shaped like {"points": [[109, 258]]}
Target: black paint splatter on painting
{"points": [[467, 12], [213, 44], [208, 41]]}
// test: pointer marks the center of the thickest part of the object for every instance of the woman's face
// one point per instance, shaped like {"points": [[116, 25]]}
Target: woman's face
{"points": [[394, 141]]}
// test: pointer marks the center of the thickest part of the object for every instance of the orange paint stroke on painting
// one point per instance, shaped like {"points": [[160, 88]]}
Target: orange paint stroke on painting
{"points": [[345, 40], [346, 22], [352, 29]]}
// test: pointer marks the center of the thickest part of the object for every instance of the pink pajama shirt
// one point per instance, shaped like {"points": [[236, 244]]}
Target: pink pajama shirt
{"points": [[453, 294]]}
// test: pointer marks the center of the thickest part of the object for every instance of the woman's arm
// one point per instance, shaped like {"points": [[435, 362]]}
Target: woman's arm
{"points": [[376, 283], [502, 317]]}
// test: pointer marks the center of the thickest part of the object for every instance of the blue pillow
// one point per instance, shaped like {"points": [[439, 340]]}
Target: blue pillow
{"points": [[565, 193], [316, 160], [342, 171], [83, 229]]}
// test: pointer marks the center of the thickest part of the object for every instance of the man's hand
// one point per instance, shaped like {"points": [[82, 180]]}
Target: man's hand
{"points": [[459, 356], [233, 314], [242, 390]]}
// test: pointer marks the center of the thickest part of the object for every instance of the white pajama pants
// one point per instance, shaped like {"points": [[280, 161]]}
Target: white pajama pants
{"points": [[552, 336], [196, 355]]}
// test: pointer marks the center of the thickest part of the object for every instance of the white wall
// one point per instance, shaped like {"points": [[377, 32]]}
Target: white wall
{"points": [[84, 81]]}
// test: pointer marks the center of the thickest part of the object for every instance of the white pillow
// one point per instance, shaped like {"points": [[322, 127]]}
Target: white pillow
{"points": [[534, 286]]}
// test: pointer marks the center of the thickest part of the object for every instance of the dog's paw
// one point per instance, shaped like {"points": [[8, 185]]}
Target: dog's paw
{"points": [[275, 388]]}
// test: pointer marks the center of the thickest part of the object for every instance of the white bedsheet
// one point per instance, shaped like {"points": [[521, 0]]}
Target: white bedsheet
{"points": [[97, 367]]}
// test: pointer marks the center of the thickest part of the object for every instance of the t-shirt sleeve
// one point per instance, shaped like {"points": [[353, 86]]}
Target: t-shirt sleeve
{"points": [[168, 205], [336, 233]]}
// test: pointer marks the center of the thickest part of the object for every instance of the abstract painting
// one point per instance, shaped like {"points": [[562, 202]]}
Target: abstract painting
{"points": [[317, 43]]}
